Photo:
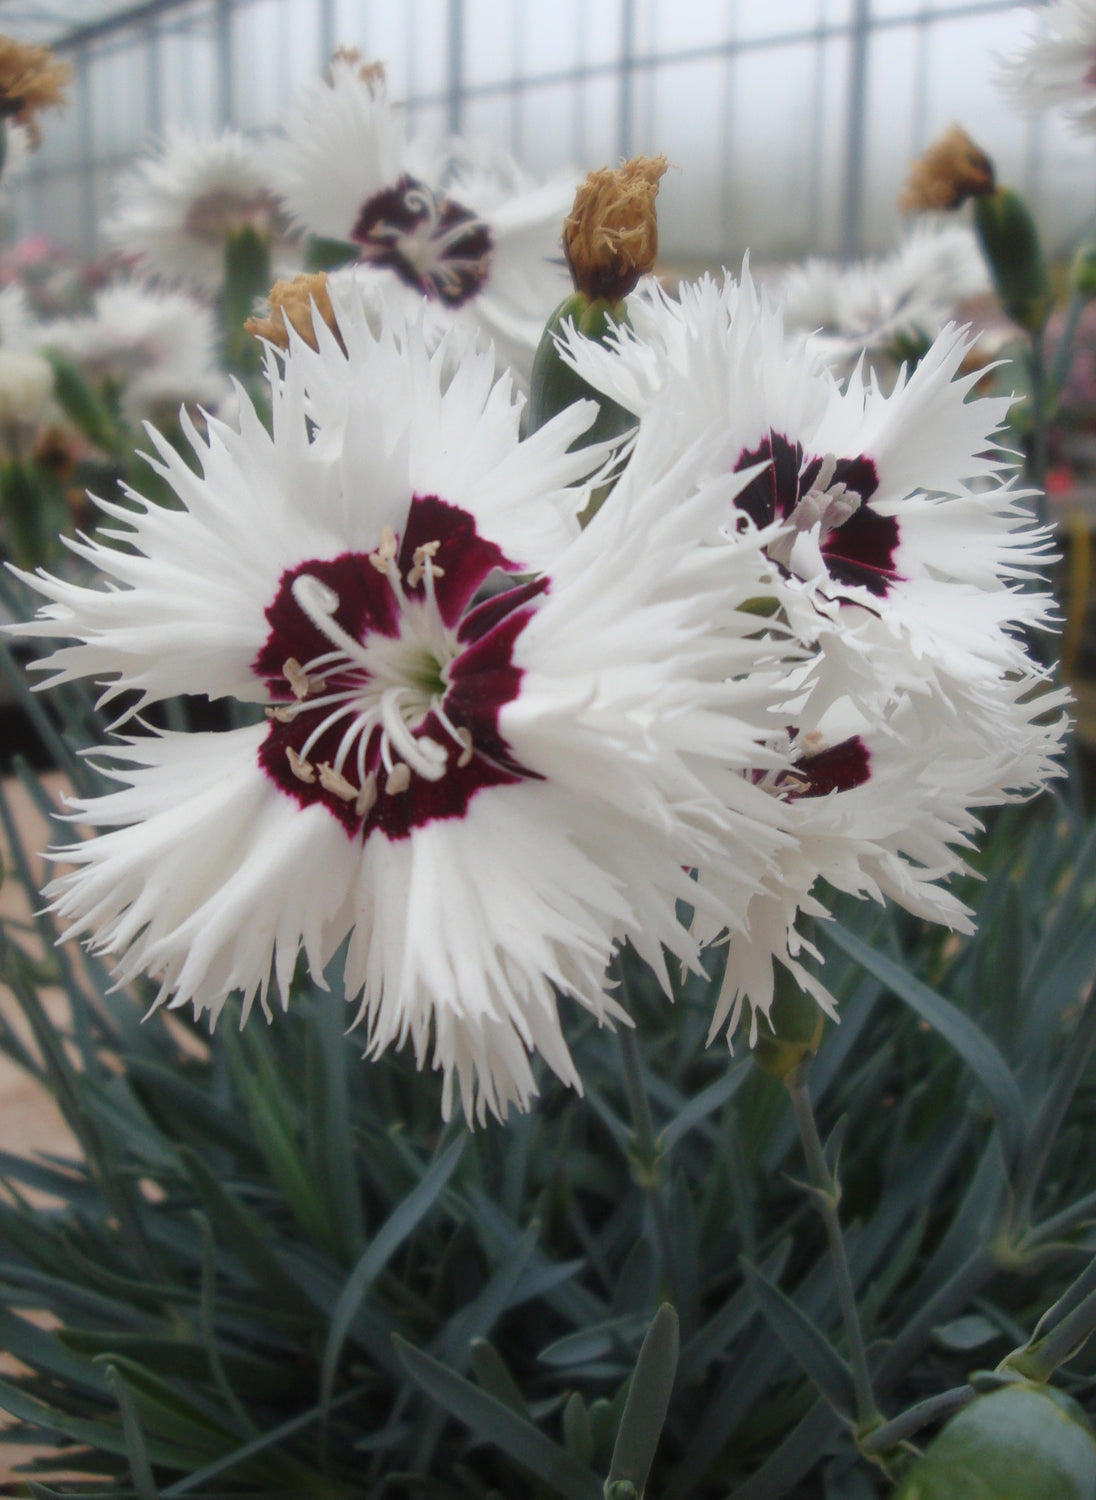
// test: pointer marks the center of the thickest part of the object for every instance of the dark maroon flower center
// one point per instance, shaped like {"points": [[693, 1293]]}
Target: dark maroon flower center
{"points": [[388, 681], [832, 494], [816, 773], [432, 243]]}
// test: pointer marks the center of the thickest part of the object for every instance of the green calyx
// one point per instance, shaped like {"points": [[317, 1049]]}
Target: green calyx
{"points": [[555, 385], [792, 1032], [1011, 244], [1020, 1443]]}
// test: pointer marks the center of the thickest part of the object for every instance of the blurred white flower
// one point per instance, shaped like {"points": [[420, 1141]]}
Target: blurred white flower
{"points": [[462, 227], [158, 346], [883, 306], [18, 327], [26, 389], [482, 792], [1058, 65], [903, 561], [176, 209]]}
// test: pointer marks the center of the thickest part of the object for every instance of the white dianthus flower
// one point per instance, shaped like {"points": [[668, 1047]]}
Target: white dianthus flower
{"points": [[462, 227], [177, 208], [158, 346], [482, 791], [880, 306], [902, 559], [1058, 65]]}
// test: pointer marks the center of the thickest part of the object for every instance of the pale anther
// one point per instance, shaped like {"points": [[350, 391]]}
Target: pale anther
{"points": [[297, 678], [465, 757], [301, 768], [826, 473], [367, 796], [386, 552], [399, 779], [285, 713], [335, 781]]}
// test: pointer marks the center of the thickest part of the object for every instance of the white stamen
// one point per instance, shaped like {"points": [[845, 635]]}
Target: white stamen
{"points": [[299, 766], [424, 755], [319, 603], [826, 506], [465, 757]]}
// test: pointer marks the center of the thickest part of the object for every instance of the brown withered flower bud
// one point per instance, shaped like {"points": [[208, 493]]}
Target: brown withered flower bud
{"points": [[610, 237], [291, 303], [31, 78], [372, 73], [952, 170]]}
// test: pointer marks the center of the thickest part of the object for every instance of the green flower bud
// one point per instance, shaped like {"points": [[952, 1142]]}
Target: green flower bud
{"points": [[1082, 273], [1011, 244], [1020, 1443], [555, 385]]}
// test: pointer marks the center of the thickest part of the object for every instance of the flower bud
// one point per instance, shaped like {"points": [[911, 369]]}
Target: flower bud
{"points": [[610, 237], [291, 305], [1021, 1443], [31, 79], [952, 170], [1010, 241], [26, 388], [1082, 271]]}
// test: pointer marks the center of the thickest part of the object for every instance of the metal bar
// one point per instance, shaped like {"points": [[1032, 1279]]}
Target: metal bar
{"points": [[626, 65], [88, 215], [455, 91], [226, 83], [150, 9], [154, 82], [325, 35], [852, 215]]}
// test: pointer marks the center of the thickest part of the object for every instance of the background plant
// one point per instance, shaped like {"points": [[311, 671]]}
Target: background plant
{"points": [[273, 1271]]}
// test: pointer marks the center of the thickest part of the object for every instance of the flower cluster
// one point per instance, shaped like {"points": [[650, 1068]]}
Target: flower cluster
{"points": [[511, 687], [489, 745]]}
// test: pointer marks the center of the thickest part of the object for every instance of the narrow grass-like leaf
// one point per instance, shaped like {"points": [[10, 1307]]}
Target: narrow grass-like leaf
{"points": [[240, 1229], [648, 1400], [331, 1141], [275, 1135], [382, 1247], [976, 1049], [257, 1446], [136, 1452], [499, 1424], [494, 1376], [805, 1342], [1063, 920]]}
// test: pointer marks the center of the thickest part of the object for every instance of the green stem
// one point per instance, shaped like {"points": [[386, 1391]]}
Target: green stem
{"points": [[1063, 354], [1048, 1122], [932, 1409], [1037, 455], [648, 1153], [827, 1196]]}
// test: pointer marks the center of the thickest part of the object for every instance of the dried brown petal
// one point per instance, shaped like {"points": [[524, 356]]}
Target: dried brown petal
{"points": [[610, 237], [952, 170], [31, 78], [291, 303]]}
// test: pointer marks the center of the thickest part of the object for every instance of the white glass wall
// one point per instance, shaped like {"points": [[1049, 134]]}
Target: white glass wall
{"points": [[791, 122]]}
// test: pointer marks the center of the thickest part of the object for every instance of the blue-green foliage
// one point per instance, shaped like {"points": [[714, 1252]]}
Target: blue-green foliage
{"points": [[275, 1271]]}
